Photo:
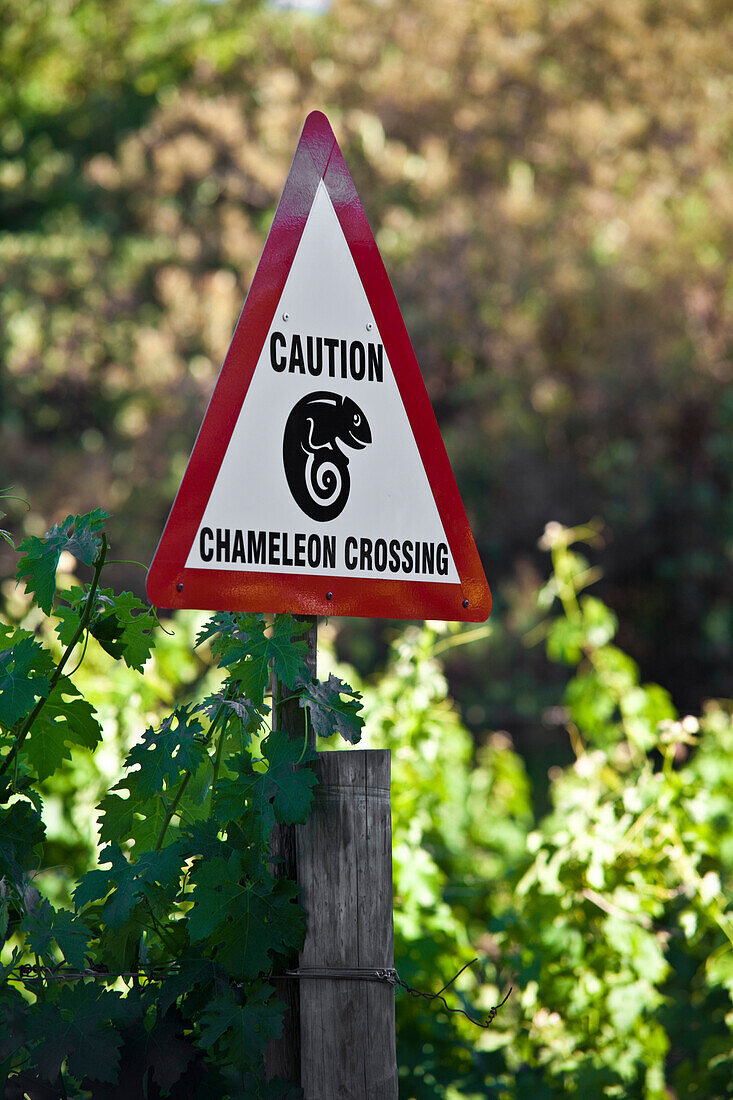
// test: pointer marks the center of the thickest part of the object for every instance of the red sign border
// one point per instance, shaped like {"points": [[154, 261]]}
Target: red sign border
{"points": [[169, 583]]}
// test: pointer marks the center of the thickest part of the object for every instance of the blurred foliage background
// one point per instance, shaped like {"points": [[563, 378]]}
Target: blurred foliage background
{"points": [[550, 186]]}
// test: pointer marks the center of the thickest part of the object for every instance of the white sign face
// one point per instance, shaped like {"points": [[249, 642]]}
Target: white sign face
{"points": [[322, 473]]}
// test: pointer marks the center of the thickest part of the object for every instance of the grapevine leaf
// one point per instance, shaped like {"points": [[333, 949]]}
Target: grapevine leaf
{"points": [[247, 712], [149, 818], [21, 829], [37, 926], [40, 556], [43, 924], [126, 883], [24, 669], [235, 795], [248, 651], [78, 1028], [203, 837], [69, 614], [61, 722], [288, 789], [224, 623], [168, 1053], [161, 868], [166, 752], [246, 920], [216, 888], [72, 936], [83, 534], [191, 972], [243, 949], [239, 636], [283, 793], [252, 676], [97, 884], [139, 817], [119, 818], [329, 712], [124, 628], [286, 650], [13, 1019], [243, 1030], [47, 750], [107, 630]]}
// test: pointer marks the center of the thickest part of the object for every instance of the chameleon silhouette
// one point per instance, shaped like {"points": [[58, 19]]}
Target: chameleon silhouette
{"points": [[316, 468]]}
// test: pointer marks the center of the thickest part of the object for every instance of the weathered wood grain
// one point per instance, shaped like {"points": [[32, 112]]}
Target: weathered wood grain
{"points": [[344, 857], [283, 1055]]}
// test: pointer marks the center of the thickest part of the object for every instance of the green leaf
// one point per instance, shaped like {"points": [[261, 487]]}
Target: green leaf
{"points": [[330, 713], [126, 883], [599, 622], [13, 1016], [239, 637], [25, 669], [80, 535], [253, 670], [61, 722], [21, 829], [216, 889], [124, 628], [249, 715], [69, 617], [168, 1054], [224, 623], [288, 789], [72, 936], [165, 753], [286, 650], [283, 793], [148, 820], [242, 1029], [268, 922], [643, 709], [37, 925], [118, 820], [248, 652], [245, 920], [78, 1028], [235, 796], [44, 925], [565, 640], [98, 884], [193, 971]]}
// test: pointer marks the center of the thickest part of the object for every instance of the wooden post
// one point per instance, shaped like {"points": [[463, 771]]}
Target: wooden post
{"points": [[338, 1039], [283, 1054], [344, 853]]}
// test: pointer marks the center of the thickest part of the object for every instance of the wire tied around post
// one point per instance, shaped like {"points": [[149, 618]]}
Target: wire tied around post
{"points": [[390, 976]]}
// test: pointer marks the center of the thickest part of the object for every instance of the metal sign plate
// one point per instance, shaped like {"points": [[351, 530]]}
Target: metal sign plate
{"points": [[319, 483]]}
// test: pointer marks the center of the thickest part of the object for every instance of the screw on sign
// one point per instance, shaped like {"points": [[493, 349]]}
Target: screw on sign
{"points": [[319, 483]]}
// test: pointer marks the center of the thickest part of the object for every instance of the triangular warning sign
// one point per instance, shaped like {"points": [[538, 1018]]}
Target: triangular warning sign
{"points": [[319, 483]]}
